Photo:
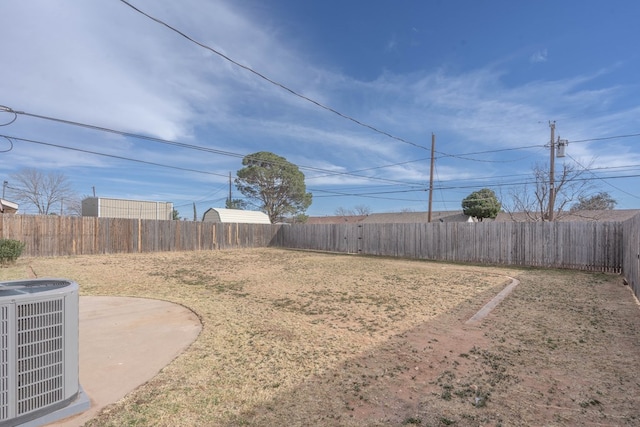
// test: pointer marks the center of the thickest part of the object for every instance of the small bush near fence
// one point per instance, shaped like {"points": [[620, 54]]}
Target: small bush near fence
{"points": [[10, 250]]}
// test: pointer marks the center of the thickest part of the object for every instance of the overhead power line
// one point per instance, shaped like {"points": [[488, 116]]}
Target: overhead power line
{"points": [[324, 171], [184, 145], [465, 156], [441, 187], [31, 141], [10, 146], [329, 193], [130, 135], [273, 82], [364, 195], [602, 179], [8, 110], [604, 138]]}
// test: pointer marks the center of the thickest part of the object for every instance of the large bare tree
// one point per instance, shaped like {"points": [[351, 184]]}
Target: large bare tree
{"points": [[532, 200], [361, 210], [601, 201], [342, 211], [45, 191]]}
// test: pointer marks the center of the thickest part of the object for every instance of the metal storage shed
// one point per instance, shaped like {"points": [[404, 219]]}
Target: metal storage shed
{"points": [[235, 216], [121, 208]]}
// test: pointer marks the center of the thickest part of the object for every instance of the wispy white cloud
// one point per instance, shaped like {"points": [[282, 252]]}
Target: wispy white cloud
{"points": [[391, 44], [479, 107], [539, 56], [142, 77]]}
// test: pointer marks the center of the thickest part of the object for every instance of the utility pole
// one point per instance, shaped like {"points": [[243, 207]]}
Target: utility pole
{"points": [[433, 150], [552, 190], [229, 202]]}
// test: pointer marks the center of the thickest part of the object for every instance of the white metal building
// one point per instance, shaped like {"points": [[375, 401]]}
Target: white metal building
{"points": [[235, 216], [7, 207], [122, 208]]}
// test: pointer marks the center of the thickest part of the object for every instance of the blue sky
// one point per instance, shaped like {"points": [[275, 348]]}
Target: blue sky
{"points": [[483, 76]]}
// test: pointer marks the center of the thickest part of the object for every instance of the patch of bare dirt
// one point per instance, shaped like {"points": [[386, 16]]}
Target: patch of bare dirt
{"points": [[298, 339]]}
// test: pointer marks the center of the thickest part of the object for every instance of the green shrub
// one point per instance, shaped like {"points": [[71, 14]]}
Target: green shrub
{"points": [[10, 250]]}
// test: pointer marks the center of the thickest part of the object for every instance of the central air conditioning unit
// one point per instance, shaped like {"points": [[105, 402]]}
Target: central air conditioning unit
{"points": [[39, 376]]}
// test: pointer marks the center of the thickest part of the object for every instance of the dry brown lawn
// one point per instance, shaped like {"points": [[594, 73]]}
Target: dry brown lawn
{"points": [[309, 339]]}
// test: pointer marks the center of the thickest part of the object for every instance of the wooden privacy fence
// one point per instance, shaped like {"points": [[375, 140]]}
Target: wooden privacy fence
{"points": [[59, 235], [631, 253], [594, 246]]}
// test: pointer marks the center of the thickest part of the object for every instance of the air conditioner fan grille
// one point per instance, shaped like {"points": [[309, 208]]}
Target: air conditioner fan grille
{"points": [[4, 363], [40, 345]]}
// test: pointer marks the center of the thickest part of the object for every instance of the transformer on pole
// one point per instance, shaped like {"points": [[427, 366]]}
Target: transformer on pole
{"points": [[561, 144]]}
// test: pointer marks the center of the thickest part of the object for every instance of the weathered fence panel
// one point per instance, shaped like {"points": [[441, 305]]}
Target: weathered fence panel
{"points": [[631, 253], [594, 246], [59, 235]]}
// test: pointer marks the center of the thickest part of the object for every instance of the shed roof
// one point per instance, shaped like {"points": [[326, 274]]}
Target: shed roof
{"points": [[393, 218], [617, 215], [235, 216], [416, 217], [338, 219], [8, 207]]}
